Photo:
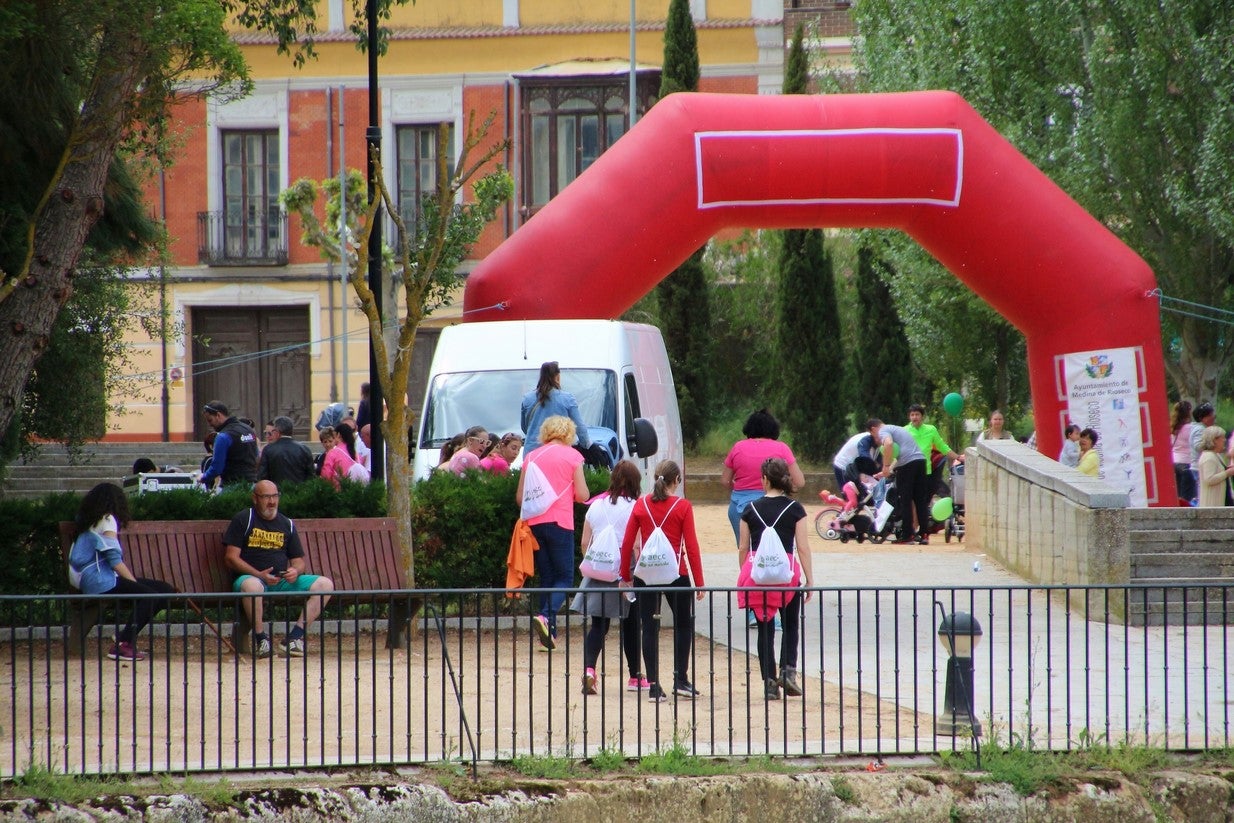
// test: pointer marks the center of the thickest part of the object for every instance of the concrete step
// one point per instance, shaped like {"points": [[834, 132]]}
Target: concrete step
{"points": [[1206, 565], [1203, 601], [1188, 540]]}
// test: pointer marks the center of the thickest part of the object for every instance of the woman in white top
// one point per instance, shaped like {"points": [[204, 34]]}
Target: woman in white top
{"points": [[1215, 474], [602, 601], [996, 430]]}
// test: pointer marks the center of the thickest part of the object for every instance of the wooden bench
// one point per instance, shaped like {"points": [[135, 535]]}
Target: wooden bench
{"points": [[356, 553]]}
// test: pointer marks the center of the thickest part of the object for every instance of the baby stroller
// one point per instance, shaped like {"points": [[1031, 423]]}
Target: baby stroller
{"points": [[955, 524]]}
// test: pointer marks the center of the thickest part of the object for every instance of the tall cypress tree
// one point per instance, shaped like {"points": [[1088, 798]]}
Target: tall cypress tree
{"points": [[808, 333], [684, 304], [884, 364]]}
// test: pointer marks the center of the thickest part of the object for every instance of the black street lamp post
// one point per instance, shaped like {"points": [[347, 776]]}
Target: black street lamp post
{"points": [[373, 150], [959, 633]]}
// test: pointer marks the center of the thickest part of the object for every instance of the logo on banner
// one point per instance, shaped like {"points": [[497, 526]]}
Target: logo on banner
{"points": [[1099, 366]]}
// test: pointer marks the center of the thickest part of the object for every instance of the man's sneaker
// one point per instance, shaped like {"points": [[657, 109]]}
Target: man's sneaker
{"points": [[635, 684], [292, 648], [684, 688], [261, 647], [771, 689], [540, 624], [655, 694], [589, 682], [125, 651]]}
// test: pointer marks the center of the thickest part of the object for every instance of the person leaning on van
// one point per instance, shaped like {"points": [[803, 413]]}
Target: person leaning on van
{"points": [[544, 401]]}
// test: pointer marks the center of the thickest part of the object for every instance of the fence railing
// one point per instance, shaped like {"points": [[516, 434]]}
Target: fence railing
{"points": [[1053, 667]]}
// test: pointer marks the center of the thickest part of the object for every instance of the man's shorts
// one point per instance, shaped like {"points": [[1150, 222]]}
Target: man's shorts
{"points": [[303, 583]]}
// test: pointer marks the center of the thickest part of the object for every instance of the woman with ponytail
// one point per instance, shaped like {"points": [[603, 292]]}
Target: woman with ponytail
{"points": [[675, 517]]}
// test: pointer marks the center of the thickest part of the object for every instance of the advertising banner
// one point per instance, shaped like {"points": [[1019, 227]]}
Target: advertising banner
{"points": [[1103, 394]]}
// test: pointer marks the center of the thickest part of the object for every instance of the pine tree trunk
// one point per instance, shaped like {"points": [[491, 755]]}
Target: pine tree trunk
{"points": [[70, 208]]}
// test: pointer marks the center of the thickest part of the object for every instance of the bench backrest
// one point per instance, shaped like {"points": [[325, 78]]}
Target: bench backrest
{"points": [[356, 553]]}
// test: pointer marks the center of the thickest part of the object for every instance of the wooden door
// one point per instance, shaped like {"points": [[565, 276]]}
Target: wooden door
{"points": [[255, 360]]}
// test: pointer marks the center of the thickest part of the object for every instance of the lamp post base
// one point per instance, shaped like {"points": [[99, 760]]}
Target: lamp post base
{"points": [[949, 725]]}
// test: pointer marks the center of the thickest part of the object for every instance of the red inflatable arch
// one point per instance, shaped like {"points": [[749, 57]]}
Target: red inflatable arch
{"points": [[923, 162]]}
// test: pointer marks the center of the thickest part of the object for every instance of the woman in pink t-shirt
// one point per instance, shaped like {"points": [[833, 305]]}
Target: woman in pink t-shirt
{"points": [[506, 452], [338, 462], [554, 530], [743, 468]]}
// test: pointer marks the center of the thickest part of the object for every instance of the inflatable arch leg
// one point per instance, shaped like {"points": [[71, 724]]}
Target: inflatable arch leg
{"points": [[922, 162]]}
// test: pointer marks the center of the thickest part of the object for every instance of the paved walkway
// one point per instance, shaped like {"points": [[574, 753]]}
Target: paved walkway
{"points": [[1041, 670]]}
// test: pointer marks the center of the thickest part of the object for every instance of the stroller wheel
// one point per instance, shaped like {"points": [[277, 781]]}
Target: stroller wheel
{"points": [[843, 537], [948, 530]]}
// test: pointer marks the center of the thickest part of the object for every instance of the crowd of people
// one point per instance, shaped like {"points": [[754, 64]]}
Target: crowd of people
{"points": [[622, 530], [235, 454]]}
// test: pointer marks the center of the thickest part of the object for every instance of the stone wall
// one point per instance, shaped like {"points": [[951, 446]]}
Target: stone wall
{"points": [[1042, 520], [1052, 525]]}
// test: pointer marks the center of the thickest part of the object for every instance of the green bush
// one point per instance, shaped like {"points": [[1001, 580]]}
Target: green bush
{"points": [[462, 527]]}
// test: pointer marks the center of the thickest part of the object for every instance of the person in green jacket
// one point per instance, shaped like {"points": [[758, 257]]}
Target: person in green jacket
{"points": [[930, 441]]}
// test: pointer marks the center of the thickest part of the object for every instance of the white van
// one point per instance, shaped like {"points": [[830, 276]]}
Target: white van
{"points": [[618, 372]]}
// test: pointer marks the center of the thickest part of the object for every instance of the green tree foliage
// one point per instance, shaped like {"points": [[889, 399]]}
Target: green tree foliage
{"points": [[84, 84], [426, 269], [808, 335], [685, 315], [39, 91], [745, 281], [680, 71], [883, 361], [684, 305], [1126, 104], [808, 328]]}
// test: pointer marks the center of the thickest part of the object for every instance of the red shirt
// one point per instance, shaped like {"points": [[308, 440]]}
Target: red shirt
{"points": [[678, 527]]}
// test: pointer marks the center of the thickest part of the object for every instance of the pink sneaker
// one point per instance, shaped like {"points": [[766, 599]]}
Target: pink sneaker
{"points": [[635, 684], [125, 651], [589, 682]]}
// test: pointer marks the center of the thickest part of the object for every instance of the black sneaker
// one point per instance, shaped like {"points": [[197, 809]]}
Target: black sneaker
{"points": [[684, 688], [656, 694]]}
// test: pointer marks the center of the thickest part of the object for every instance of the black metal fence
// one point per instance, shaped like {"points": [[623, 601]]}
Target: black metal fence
{"points": [[1052, 668]]}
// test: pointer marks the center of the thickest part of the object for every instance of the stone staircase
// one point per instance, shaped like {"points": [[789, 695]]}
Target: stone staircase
{"points": [[1173, 548], [53, 469]]}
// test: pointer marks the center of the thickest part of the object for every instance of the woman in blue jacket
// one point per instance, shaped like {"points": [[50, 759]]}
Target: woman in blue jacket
{"points": [[547, 400], [96, 564]]}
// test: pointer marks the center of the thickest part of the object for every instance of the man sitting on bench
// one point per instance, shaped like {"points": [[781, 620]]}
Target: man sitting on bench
{"points": [[263, 550]]}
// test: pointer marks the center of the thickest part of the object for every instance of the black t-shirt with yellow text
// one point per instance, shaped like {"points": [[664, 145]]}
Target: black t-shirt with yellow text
{"points": [[264, 544]]}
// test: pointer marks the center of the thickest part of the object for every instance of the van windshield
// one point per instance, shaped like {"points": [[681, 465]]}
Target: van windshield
{"points": [[460, 400]]}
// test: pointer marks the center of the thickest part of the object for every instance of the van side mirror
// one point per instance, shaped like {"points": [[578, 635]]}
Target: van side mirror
{"points": [[643, 441]]}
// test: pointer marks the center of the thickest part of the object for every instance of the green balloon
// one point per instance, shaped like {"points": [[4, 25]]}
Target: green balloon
{"points": [[953, 404], [943, 509]]}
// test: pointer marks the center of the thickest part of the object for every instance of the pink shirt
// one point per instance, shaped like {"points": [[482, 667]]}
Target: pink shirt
{"points": [[558, 463], [463, 460], [1182, 444], [746, 458], [336, 464], [495, 463]]}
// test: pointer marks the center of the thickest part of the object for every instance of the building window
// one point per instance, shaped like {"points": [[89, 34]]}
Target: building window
{"points": [[568, 122], [252, 219], [417, 168]]}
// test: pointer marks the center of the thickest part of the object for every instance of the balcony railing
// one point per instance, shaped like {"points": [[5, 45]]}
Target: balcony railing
{"points": [[259, 240]]}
